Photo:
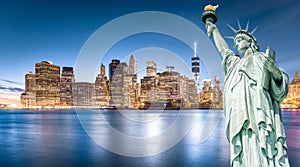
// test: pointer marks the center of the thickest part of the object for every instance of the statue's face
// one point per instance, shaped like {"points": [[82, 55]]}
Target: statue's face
{"points": [[242, 45]]}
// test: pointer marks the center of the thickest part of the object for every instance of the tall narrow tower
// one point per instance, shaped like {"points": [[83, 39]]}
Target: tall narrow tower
{"points": [[195, 67]]}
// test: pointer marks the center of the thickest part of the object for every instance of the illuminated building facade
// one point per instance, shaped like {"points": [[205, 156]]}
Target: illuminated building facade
{"points": [[47, 77], [207, 94], [67, 79], [102, 88], [28, 99], [293, 97], [118, 88], [211, 96], [83, 94]]}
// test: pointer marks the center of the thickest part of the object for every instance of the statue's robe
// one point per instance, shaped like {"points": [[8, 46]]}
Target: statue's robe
{"points": [[252, 110]]}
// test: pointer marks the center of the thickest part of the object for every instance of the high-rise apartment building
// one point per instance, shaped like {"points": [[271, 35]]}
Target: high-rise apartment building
{"points": [[67, 79], [47, 84]]}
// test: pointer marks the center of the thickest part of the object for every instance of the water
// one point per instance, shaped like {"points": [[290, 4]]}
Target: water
{"points": [[58, 138]]}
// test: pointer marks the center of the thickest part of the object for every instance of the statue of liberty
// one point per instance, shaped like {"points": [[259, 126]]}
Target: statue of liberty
{"points": [[253, 88]]}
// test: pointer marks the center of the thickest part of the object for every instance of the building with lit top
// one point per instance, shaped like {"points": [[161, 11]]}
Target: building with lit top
{"points": [[47, 77]]}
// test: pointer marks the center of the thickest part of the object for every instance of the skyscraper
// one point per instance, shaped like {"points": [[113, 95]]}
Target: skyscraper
{"points": [[132, 66], [112, 68], [47, 84], [28, 98], [102, 88], [29, 82], [67, 79], [119, 91], [195, 66]]}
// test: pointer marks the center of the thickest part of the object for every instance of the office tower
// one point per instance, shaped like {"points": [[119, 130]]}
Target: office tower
{"points": [[102, 88], [169, 84], [131, 79], [67, 79], [188, 93], [149, 90], [29, 82], [112, 68], [28, 99], [47, 84], [119, 90], [195, 66], [151, 68], [83, 94]]}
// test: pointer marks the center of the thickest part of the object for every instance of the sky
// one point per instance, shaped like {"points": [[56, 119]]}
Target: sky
{"points": [[34, 31]]}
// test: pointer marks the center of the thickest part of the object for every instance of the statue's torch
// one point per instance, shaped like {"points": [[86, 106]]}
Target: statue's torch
{"points": [[209, 15]]}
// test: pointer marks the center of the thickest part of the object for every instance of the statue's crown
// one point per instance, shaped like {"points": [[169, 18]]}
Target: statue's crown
{"points": [[242, 32]]}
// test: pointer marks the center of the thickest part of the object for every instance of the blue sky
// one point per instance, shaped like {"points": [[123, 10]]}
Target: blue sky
{"points": [[33, 31]]}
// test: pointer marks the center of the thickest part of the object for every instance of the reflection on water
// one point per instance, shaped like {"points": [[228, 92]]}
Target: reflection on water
{"points": [[58, 139]]}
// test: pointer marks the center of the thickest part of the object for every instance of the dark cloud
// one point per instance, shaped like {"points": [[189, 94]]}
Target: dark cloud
{"points": [[11, 89], [11, 82], [8, 86]]}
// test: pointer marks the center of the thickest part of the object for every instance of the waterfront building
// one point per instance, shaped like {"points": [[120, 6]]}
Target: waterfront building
{"points": [[211, 96], [207, 94], [149, 89], [83, 94], [67, 79], [119, 91], [102, 88], [292, 99], [188, 93], [169, 88], [112, 68], [47, 77], [28, 99], [217, 99], [123, 84], [131, 80]]}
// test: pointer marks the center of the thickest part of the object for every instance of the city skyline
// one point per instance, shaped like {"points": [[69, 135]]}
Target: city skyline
{"points": [[32, 31], [48, 87]]}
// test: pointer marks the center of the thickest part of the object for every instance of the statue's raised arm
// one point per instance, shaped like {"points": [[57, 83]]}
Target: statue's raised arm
{"points": [[209, 17]]}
